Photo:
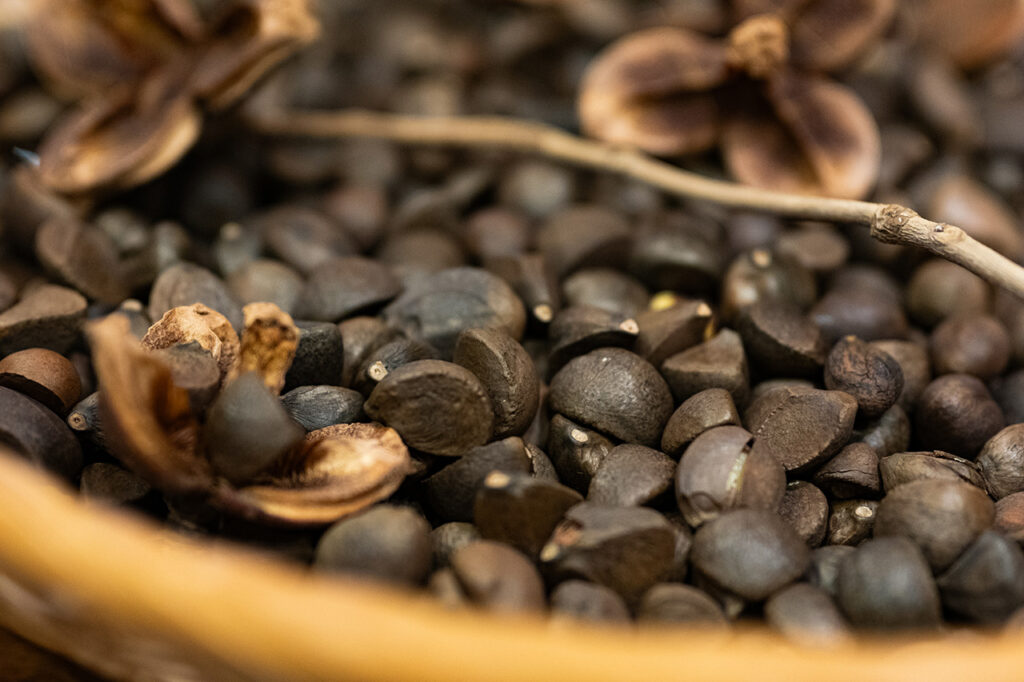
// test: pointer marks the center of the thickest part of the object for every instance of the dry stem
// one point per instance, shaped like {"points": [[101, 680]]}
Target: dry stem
{"points": [[889, 223]]}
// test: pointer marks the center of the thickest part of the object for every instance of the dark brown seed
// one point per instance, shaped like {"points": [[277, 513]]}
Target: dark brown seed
{"points": [[498, 232], [765, 387], [904, 467], [824, 569], [970, 344], [719, 362], [805, 614], [540, 464], [664, 333], [942, 517], [436, 406], [445, 588], [819, 247], [498, 577], [1008, 391], [781, 340], [343, 287], [247, 429], [576, 452], [386, 358], [359, 336], [871, 376], [83, 256], [421, 251], [47, 316], [679, 604], [521, 510], [749, 552], [801, 427], [580, 329], [361, 208], [684, 542], [383, 543], [194, 369], [42, 375], [631, 475], [537, 187], [627, 549], [606, 289], [37, 433], [184, 284], [319, 357], [584, 235], [1010, 517], [721, 470], [957, 413], [450, 301], [698, 413], [886, 585], [236, 246], [109, 483], [302, 237], [673, 257], [450, 537], [507, 373], [851, 473], [761, 276], [84, 418], [858, 312], [451, 492], [317, 407], [986, 584], [915, 365], [1002, 461], [588, 601], [533, 281], [851, 521], [940, 289], [805, 508], [888, 434], [616, 392], [266, 280]]}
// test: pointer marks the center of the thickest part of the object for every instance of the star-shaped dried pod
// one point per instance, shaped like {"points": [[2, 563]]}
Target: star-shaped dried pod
{"points": [[970, 34], [673, 92]]}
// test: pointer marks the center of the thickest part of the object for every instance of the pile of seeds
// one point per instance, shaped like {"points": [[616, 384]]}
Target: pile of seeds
{"points": [[524, 387]]}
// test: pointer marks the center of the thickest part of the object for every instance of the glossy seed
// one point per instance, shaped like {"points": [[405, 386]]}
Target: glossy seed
{"points": [[521, 510], [42, 375]]}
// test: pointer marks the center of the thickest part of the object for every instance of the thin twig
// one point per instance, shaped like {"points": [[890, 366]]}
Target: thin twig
{"points": [[889, 223]]}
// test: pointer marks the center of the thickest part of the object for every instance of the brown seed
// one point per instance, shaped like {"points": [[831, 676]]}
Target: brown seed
{"points": [[576, 452], [319, 356], [42, 375], [664, 333], [521, 510], [939, 289], [211, 330], [436, 406], [1001, 461], [584, 235], [359, 336], [109, 483], [498, 577], [824, 569], [888, 434], [679, 604], [851, 473], [805, 614], [780, 340], [819, 247], [449, 537], [268, 344], [1010, 516], [507, 373], [627, 549], [871, 376], [302, 237], [760, 275], [851, 521], [422, 250], [536, 186], [752, 553], [577, 330], [957, 413], [986, 584], [616, 392], [801, 427], [38, 434], [534, 282], [588, 601], [193, 369], [960, 200], [942, 517], [445, 588], [856, 312], [970, 344], [383, 543], [719, 362], [47, 316], [540, 464], [497, 232], [84, 256], [1008, 391], [678, 254], [451, 492], [317, 407], [904, 467], [267, 280], [805, 508], [388, 357], [721, 471], [184, 284], [342, 287], [699, 413], [606, 289], [631, 475]]}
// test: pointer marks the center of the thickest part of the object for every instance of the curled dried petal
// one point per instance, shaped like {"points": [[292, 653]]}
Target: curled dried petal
{"points": [[202, 324], [268, 344]]}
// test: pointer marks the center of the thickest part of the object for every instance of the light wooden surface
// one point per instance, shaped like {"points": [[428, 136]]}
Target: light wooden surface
{"points": [[133, 601]]}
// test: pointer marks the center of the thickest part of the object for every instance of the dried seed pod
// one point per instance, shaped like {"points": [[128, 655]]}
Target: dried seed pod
{"points": [[871, 376], [970, 344], [38, 434], [450, 301], [268, 344], [943, 517], [342, 287], [970, 36], [664, 333], [888, 434], [521, 510], [184, 284], [627, 549], [986, 583], [851, 522], [805, 614], [317, 407], [498, 577], [679, 604], [858, 312], [801, 427], [388, 357], [914, 364], [805, 508], [615, 392], [631, 475], [43, 375], [851, 473], [47, 316], [750, 552], [588, 601], [436, 406], [267, 280], [383, 543], [576, 452], [577, 330], [507, 373], [606, 289], [1000, 461], [451, 492], [781, 340], [319, 356], [824, 569], [758, 275], [588, 235], [958, 199], [109, 483], [211, 330], [450, 537], [84, 256], [699, 413], [721, 471], [904, 467], [939, 289], [719, 362], [957, 413], [886, 585]]}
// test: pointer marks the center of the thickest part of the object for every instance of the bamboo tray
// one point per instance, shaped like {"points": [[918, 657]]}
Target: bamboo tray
{"points": [[131, 601]]}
